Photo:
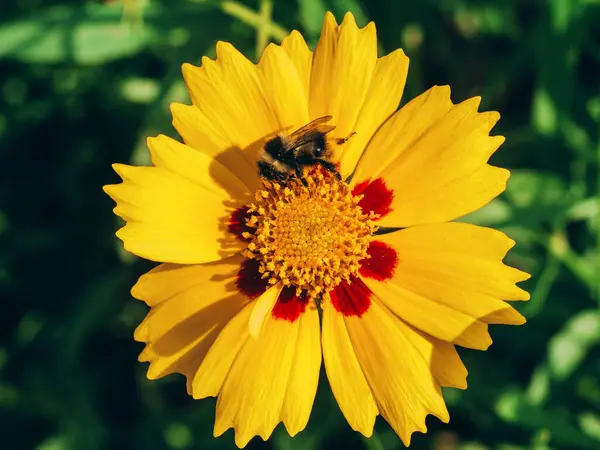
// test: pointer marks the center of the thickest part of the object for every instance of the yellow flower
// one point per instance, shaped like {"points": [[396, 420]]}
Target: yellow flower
{"points": [[260, 279]]}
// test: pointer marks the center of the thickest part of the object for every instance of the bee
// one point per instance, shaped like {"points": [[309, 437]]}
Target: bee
{"points": [[286, 155]]}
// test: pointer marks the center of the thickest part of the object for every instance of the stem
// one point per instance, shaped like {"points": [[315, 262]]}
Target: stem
{"points": [[558, 247], [254, 19], [544, 284], [262, 32], [374, 442]]}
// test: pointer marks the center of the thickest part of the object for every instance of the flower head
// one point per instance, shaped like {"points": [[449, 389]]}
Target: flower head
{"points": [[310, 238], [261, 278]]}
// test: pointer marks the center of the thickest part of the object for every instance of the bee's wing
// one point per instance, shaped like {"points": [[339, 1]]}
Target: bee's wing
{"points": [[307, 133], [315, 125], [307, 137]]}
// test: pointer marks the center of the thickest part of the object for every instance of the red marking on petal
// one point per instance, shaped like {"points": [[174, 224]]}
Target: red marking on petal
{"points": [[249, 281], [382, 262], [351, 299], [377, 196], [237, 223], [289, 306]]}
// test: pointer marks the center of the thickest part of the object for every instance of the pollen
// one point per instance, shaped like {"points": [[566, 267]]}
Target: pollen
{"points": [[308, 237]]}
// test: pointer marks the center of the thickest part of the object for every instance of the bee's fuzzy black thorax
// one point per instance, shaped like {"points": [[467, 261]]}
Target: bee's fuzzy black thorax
{"points": [[275, 147], [283, 156]]}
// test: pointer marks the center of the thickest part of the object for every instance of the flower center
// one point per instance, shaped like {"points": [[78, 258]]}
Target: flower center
{"points": [[311, 237]]}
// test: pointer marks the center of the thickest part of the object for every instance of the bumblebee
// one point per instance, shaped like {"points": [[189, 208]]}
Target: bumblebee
{"points": [[285, 155]]}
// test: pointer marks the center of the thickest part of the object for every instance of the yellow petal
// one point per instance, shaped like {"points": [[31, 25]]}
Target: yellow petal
{"points": [[348, 383], [402, 129], [385, 92], [396, 362], [455, 237], [301, 56], [355, 60], [432, 317], [439, 169], [447, 202], [323, 65], [283, 88], [205, 289], [197, 131], [262, 381], [163, 282], [171, 219], [229, 93], [341, 72], [253, 393], [192, 305], [262, 309], [446, 366], [198, 167], [468, 257], [304, 375], [454, 271], [211, 374]]}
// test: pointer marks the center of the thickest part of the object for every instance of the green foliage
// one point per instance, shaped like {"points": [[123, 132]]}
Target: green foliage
{"points": [[84, 34], [82, 83]]}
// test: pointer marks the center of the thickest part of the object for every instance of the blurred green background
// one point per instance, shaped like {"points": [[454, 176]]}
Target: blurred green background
{"points": [[82, 83]]}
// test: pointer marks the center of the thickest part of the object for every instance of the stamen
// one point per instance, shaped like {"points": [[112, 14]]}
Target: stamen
{"points": [[309, 238]]}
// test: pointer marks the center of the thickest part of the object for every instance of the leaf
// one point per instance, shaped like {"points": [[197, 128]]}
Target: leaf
{"points": [[512, 407], [568, 348], [373, 443], [584, 266], [178, 435], [562, 13], [587, 209], [55, 443], [495, 212], [140, 90], [477, 19], [593, 108], [590, 424], [537, 197], [527, 188], [311, 16], [340, 7], [304, 441], [87, 34], [544, 112], [539, 386]]}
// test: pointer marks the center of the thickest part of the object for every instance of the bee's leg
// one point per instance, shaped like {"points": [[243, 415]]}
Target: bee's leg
{"points": [[300, 175], [281, 176], [331, 167], [340, 141]]}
